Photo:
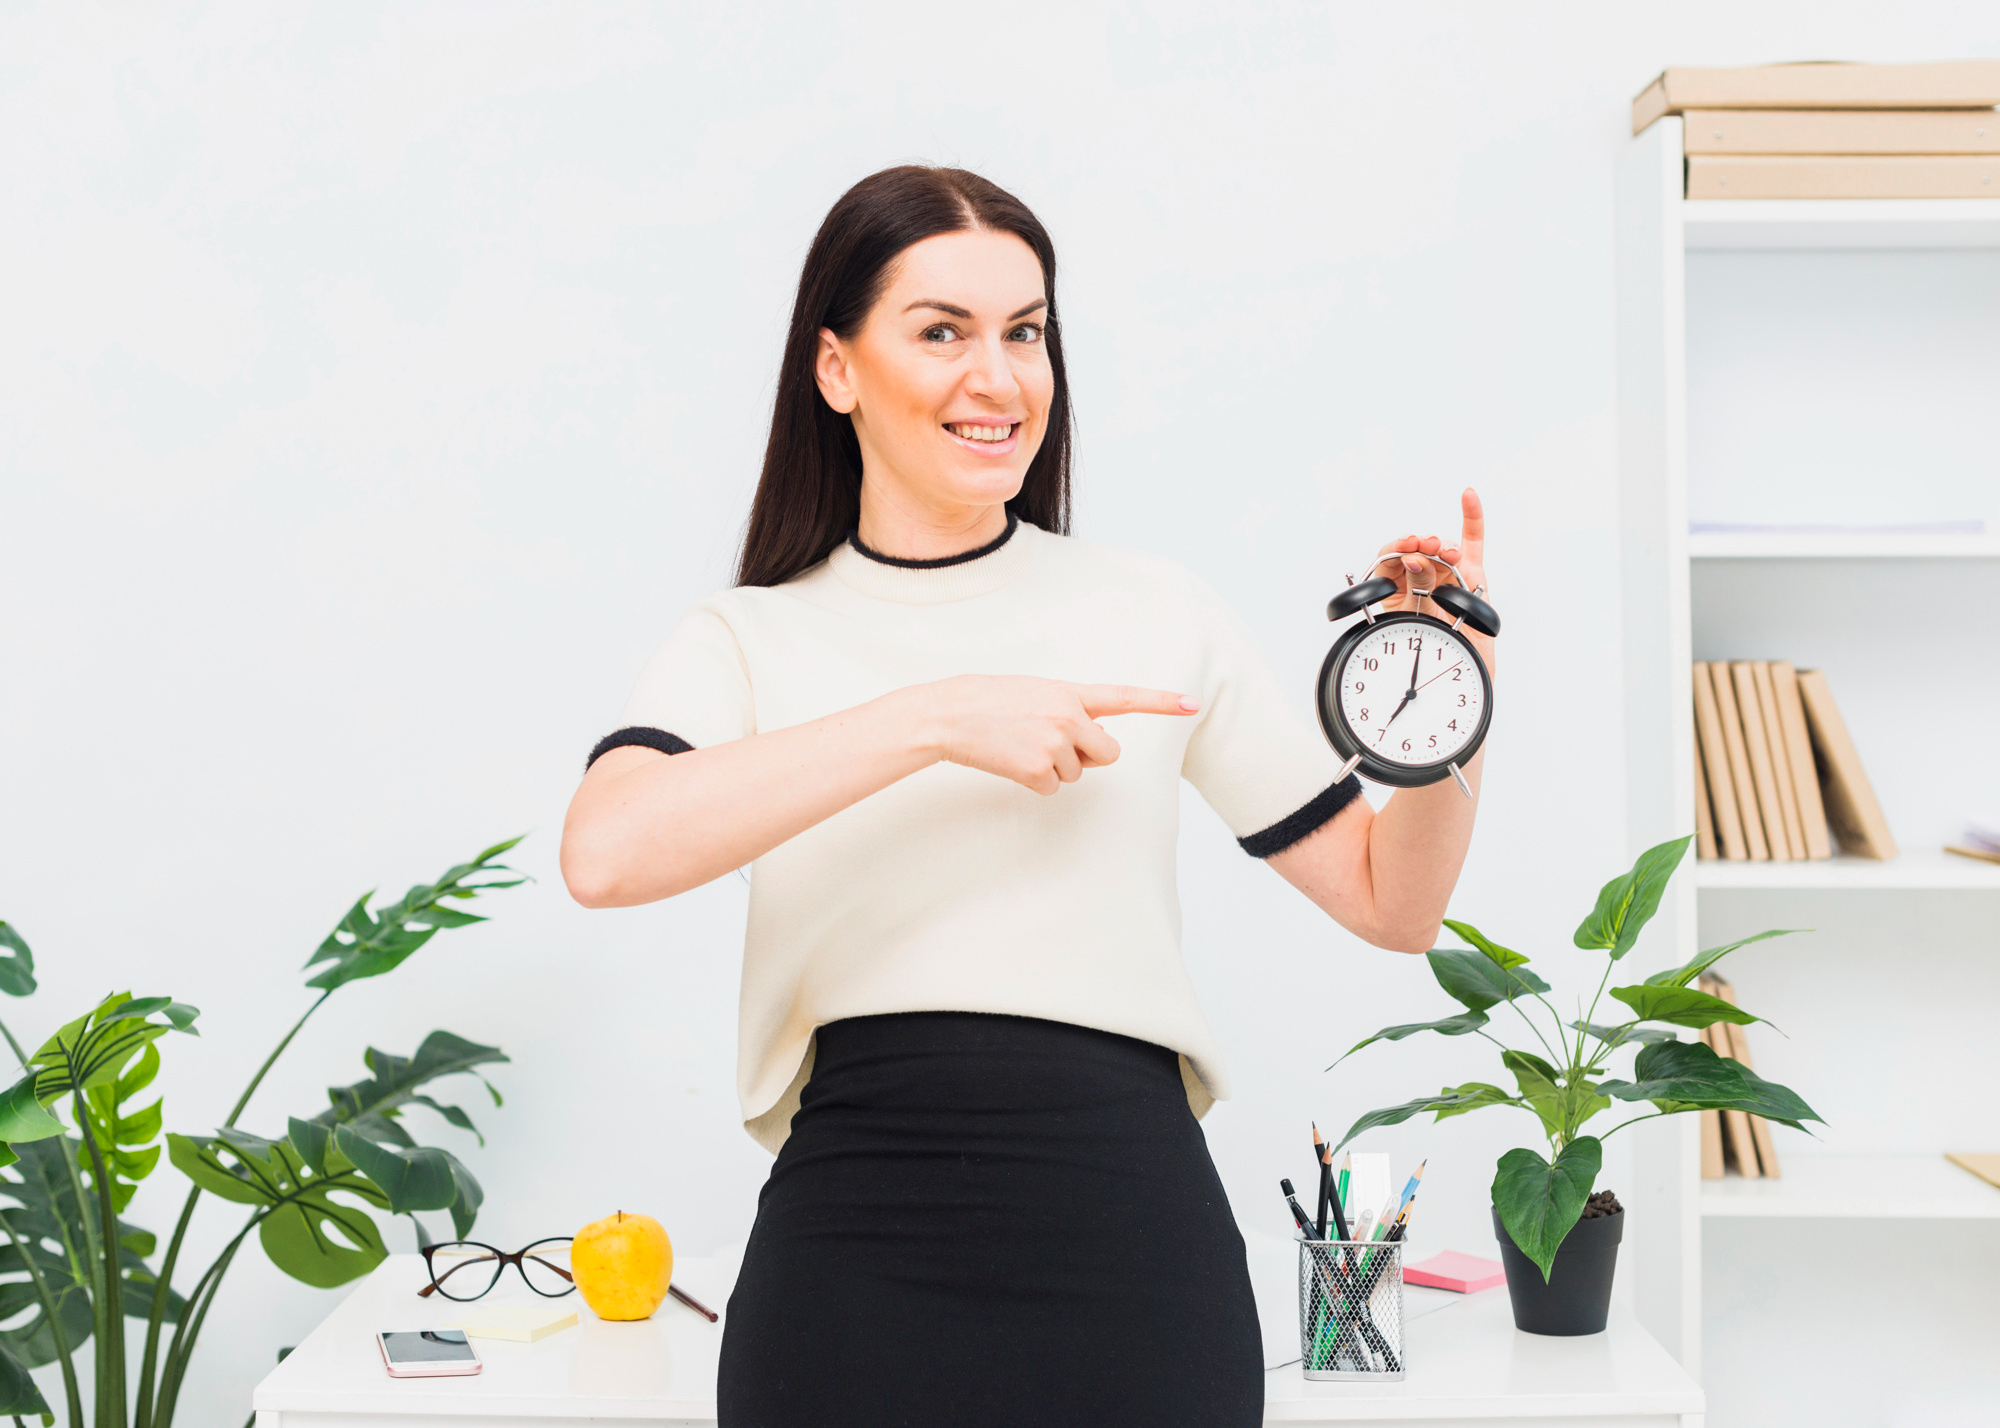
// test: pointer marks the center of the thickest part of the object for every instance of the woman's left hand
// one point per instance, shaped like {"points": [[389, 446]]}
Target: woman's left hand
{"points": [[1469, 555]]}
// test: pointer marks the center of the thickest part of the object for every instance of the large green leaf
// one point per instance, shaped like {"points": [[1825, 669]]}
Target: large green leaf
{"points": [[1680, 1006], [371, 1107], [368, 944], [1476, 982], [1475, 1094], [1540, 1202], [1687, 1075], [1446, 1102], [17, 964], [95, 1049], [421, 1178], [305, 1231], [1626, 904], [1502, 957], [1687, 972], [18, 1394], [126, 1138], [1541, 1088], [1451, 1026], [22, 1115], [40, 1208]]}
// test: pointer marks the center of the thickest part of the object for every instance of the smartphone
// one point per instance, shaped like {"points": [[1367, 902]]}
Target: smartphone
{"points": [[427, 1353]]}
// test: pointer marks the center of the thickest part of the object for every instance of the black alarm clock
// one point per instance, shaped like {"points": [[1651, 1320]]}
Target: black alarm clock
{"points": [[1404, 697]]}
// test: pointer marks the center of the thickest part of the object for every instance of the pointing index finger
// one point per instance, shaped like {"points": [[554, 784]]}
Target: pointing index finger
{"points": [[1102, 699]]}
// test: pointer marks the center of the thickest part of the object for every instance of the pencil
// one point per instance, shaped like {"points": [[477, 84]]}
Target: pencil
{"points": [[693, 1303], [1324, 1153]]}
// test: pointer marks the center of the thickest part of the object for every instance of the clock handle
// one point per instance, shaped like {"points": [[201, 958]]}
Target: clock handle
{"points": [[1357, 598], [1464, 605]]}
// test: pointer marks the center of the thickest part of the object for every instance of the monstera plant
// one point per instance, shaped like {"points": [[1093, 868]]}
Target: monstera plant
{"points": [[1568, 1081], [72, 1270]]}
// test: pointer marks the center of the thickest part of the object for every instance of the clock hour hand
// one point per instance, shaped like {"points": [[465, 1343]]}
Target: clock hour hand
{"points": [[1416, 668]]}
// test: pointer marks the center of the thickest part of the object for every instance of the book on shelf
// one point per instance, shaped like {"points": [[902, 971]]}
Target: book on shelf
{"points": [[1747, 1138], [1985, 1165], [1778, 775], [1704, 817], [1950, 84], [1712, 176], [1720, 784], [1851, 810], [1763, 777], [1747, 812], [1712, 1167], [1799, 755], [1841, 131]]}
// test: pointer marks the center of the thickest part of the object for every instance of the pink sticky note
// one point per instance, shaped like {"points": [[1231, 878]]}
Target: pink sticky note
{"points": [[1466, 1273]]}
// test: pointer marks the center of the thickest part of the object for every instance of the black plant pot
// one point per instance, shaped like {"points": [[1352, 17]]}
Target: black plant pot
{"points": [[1577, 1297]]}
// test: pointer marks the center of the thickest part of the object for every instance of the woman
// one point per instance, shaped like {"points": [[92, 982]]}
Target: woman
{"points": [[965, 1026]]}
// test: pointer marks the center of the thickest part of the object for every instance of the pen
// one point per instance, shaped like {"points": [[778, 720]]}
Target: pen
{"points": [[1324, 1154], [693, 1303], [1298, 1211], [1340, 1192]]}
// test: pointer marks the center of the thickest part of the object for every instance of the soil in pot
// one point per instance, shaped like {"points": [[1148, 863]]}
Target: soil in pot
{"points": [[1576, 1299]]}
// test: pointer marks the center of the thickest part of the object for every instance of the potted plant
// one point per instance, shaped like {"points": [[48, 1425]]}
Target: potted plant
{"points": [[73, 1269], [1539, 1204]]}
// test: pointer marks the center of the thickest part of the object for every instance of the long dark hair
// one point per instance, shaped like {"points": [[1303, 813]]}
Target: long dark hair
{"points": [[809, 495]]}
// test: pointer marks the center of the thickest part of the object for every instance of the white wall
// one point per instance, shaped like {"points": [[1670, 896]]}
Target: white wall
{"points": [[380, 383]]}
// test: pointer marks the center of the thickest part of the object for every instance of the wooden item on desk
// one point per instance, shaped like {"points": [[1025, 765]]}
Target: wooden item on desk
{"points": [[516, 1323], [1739, 763], [1781, 759], [1979, 853], [1953, 84], [1763, 776], [1851, 810], [1799, 754], [1841, 131], [1849, 176], [1739, 1047], [1715, 765], [1985, 1166], [1711, 1145], [1704, 816]]}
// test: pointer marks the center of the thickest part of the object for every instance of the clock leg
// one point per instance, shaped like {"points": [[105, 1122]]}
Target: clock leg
{"points": [[1459, 779]]}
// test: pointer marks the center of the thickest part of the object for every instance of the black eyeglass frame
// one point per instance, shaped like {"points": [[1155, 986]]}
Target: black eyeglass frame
{"points": [[500, 1261]]}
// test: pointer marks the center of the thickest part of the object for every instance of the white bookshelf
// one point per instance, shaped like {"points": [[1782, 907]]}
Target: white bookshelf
{"points": [[1716, 545], [1831, 363], [1884, 1188], [1915, 871]]}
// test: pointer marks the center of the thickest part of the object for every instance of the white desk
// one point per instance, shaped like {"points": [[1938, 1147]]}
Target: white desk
{"points": [[1467, 1365]]}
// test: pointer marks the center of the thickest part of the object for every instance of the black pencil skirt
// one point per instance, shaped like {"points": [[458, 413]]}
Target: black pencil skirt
{"points": [[991, 1220]]}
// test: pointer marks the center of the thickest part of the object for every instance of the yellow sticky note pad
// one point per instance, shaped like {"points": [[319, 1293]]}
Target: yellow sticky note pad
{"points": [[518, 1323]]}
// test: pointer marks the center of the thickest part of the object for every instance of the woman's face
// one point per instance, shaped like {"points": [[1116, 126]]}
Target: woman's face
{"points": [[948, 381]]}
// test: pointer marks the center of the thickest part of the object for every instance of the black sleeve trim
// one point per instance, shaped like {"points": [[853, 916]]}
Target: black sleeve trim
{"points": [[641, 738], [1295, 827]]}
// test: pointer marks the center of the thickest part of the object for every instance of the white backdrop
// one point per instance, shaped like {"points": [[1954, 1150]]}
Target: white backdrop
{"points": [[381, 382]]}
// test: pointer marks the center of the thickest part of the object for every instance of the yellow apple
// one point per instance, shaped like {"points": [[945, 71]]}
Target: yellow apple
{"points": [[622, 1264]]}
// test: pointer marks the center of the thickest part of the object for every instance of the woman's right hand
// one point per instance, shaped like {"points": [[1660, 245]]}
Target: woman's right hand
{"points": [[1041, 733]]}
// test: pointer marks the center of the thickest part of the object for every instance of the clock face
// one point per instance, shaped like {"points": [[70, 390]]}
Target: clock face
{"points": [[1411, 693]]}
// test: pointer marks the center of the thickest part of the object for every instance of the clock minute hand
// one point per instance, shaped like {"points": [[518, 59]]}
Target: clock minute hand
{"points": [[1441, 674], [1416, 668]]}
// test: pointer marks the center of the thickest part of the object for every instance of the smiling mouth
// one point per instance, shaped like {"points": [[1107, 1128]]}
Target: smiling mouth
{"points": [[966, 431]]}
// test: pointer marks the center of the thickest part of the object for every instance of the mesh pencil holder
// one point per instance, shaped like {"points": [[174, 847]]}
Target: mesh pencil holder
{"points": [[1351, 1309]]}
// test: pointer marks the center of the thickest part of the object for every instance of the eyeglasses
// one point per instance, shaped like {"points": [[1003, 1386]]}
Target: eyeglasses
{"points": [[464, 1269]]}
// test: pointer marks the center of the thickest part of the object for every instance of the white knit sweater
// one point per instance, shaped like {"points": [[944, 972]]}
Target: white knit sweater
{"points": [[955, 890]]}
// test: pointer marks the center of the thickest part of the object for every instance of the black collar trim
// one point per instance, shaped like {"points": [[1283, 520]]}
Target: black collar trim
{"points": [[1013, 522]]}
